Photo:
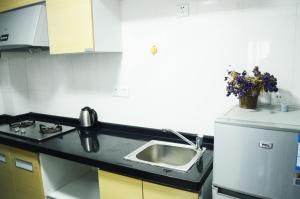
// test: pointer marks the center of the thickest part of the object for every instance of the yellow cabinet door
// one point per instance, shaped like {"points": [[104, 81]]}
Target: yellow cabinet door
{"points": [[113, 186], [12, 4], [27, 175], [6, 179], [155, 191], [70, 26]]}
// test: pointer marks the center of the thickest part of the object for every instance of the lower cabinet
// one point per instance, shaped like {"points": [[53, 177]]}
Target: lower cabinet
{"points": [[113, 186], [27, 175], [21, 173], [156, 191], [6, 178], [64, 179], [21, 178]]}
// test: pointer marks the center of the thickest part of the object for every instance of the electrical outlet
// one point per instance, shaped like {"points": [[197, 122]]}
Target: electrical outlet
{"points": [[121, 92], [277, 98], [183, 10]]}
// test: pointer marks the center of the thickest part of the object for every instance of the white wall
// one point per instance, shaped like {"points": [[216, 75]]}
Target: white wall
{"points": [[182, 87], [14, 88]]}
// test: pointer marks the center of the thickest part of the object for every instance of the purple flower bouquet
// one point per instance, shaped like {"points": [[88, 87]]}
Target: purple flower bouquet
{"points": [[247, 88]]}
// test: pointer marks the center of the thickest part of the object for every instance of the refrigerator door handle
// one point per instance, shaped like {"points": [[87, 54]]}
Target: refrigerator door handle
{"points": [[234, 194]]}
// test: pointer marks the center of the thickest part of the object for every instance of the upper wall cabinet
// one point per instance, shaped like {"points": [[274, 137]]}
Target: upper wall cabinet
{"points": [[78, 26], [12, 4]]}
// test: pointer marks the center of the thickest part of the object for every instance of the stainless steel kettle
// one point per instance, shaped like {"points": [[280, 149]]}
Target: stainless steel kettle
{"points": [[88, 117]]}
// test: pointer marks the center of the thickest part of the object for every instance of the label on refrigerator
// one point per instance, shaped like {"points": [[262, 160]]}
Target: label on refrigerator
{"points": [[298, 155]]}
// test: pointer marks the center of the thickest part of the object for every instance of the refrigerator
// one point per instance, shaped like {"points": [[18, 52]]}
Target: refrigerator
{"points": [[257, 154]]}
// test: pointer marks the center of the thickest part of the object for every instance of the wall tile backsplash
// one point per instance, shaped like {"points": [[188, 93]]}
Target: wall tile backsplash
{"points": [[182, 86]]}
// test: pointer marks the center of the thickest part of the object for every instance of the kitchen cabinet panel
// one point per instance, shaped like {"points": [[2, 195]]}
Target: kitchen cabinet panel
{"points": [[70, 26], [113, 186], [79, 26], [25, 169], [156, 191], [12, 4], [6, 182]]}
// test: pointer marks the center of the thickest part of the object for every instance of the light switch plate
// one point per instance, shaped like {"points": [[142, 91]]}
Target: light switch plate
{"points": [[121, 92], [183, 10]]}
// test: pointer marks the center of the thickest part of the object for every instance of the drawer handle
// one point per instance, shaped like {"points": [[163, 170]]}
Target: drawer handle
{"points": [[21, 164], [266, 145], [2, 158]]}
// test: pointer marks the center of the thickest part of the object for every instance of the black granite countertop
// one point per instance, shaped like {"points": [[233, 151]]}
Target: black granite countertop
{"points": [[112, 143]]}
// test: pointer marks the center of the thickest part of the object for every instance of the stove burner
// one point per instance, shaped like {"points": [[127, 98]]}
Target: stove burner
{"points": [[22, 124], [34, 130], [50, 129]]}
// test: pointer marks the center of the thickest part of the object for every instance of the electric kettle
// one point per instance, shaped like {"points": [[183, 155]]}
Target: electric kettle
{"points": [[88, 117]]}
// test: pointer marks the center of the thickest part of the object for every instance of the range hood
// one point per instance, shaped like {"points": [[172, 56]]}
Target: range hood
{"points": [[24, 28]]}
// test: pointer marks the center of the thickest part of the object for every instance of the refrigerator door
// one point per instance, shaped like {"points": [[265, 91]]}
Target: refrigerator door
{"points": [[258, 162]]}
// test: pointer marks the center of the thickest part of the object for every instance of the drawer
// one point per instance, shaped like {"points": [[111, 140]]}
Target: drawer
{"points": [[5, 159], [26, 168], [156, 191], [113, 186]]}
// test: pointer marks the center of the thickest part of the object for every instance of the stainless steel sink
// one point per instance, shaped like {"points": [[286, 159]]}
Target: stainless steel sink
{"points": [[166, 154]]}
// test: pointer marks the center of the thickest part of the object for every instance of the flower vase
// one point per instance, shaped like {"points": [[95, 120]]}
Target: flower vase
{"points": [[248, 102]]}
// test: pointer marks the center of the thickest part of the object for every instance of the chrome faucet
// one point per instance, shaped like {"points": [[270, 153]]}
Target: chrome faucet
{"points": [[198, 144]]}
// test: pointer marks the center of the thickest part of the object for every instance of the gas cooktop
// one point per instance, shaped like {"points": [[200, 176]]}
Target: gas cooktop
{"points": [[34, 130]]}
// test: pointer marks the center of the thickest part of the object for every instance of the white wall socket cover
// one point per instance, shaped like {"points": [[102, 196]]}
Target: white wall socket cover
{"points": [[183, 10], [121, 92], [277, 99]]}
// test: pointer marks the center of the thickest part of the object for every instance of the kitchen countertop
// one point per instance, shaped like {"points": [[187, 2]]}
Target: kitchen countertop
{"points": [[115, 142]]}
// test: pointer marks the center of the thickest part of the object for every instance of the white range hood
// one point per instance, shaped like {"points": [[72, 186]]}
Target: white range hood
{"points": [[24, 28]]}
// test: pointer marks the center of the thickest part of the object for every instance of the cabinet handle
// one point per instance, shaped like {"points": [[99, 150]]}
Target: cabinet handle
{"points": [[21, 164], [2, 158]]}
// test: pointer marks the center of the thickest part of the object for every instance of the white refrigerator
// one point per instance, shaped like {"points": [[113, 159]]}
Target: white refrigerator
{"points": [[257, 154]]}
